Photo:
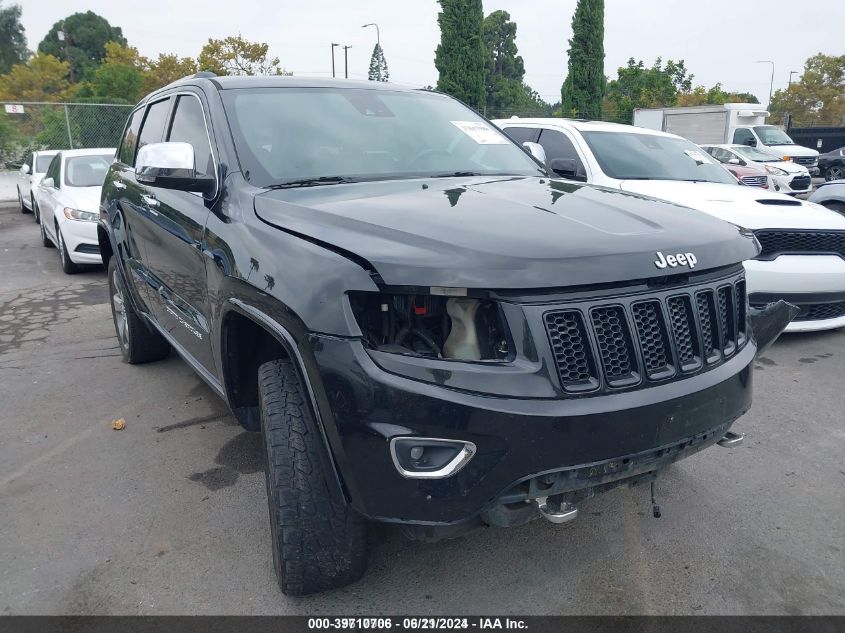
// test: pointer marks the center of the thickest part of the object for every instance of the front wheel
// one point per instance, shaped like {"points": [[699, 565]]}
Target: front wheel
{"points": [[20, 203], [45, 241], [319, 543], [68, 266], [835, 173], [138, 343], [35, 215]]}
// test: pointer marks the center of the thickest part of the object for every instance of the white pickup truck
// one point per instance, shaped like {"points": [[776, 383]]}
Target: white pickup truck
{"points": [[733, 123]]}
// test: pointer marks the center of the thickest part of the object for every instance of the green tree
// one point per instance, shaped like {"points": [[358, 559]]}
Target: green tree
{"points": [[503, 67], [120, 78], [237, 56], [584, 87], [639, 87], [12, 38], [818, 97], [167, 69], [9, 139], [460, 56], [378, 65], [713, 96], [84, 45], [41, 78]]}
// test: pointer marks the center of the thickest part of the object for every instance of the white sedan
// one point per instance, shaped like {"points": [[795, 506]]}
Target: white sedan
{"points": [[68, 199], [788, 177], [32, 171]]}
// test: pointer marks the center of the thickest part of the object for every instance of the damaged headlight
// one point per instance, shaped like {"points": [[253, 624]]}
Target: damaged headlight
{"points": [[462, 328]]}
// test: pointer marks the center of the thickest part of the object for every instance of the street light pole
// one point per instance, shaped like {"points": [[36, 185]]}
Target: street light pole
{"points": [[346, 61], [772, 81], [333, 47], [378, 35], [793, 72]]}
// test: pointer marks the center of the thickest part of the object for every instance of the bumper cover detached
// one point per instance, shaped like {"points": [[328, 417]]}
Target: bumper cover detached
{"points": [[517, 439]]}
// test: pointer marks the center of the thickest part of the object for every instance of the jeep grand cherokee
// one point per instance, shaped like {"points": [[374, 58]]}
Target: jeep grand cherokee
{"points": [[427, 329]]}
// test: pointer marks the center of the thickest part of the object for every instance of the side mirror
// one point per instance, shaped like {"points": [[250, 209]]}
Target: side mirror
{"points": [[536, 150], [734, 161], [567, 168], [48, 183], [24, 169], [171, 166]]}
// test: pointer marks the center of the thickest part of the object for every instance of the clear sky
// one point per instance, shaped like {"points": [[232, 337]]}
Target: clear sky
{"points": [[719, 39]]}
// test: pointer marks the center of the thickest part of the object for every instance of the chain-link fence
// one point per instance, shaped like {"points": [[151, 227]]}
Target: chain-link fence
{"points": [[25, 127]]}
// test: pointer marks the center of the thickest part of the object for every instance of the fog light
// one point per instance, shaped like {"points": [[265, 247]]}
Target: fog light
{"points": [[429, 457]]}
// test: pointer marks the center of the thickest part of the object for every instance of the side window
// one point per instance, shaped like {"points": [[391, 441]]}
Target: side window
{"points": [[152, 130], [742, 135], [53, 170], [558, 145], [126, 153], [189, 127], [520, 135], [719, 154]]}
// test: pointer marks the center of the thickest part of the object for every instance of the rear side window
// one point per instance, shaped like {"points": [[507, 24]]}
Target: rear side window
{"points": [[189, 127], [520, 135], [42, 163], [152, 130], [126, 153]]}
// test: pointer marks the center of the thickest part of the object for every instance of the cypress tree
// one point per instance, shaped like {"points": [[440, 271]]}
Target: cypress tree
{"points": [[461, 55], [582, 92], [378, 65]]}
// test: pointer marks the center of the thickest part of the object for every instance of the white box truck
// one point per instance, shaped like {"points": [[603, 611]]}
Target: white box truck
{"points": [[729, 123]]}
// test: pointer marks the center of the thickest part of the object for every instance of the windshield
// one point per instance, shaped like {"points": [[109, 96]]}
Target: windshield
{"points": [[771, 135], [42, 162], [297, 135], [87, 171], [630, 156], [752, 153]]}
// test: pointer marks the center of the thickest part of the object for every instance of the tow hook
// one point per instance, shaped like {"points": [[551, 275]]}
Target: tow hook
{"points": [[731, 440], [563, 514]]}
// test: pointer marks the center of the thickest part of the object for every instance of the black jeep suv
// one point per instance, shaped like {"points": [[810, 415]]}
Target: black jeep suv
{"points": [[427, 328]]}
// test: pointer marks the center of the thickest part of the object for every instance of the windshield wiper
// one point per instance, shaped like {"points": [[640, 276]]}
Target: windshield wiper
{"points": [[312, 182]]}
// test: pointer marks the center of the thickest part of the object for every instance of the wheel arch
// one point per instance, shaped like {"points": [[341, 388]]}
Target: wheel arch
{"points": [[248, 338]]}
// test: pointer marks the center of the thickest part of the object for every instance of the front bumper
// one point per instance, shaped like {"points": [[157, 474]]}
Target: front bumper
{"points": [[792, 183], [81, 241], [807, 281], [516, 438]]}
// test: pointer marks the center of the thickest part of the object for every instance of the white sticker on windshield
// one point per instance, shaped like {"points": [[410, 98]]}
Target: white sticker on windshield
{"points": [[697, 156], [480, 132]]}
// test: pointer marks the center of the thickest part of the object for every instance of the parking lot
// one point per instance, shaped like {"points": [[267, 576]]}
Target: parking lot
{"points": [[169, 515]]}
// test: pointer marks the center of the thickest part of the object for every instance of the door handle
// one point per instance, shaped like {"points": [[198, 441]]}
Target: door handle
{"points": [[118, 185], [150, 200]]}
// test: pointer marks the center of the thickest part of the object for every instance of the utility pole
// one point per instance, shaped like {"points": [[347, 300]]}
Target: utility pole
{"points": [[793, 72], [333, 47], [772, 82], [378, 35], [64, 36], [346, 61]]}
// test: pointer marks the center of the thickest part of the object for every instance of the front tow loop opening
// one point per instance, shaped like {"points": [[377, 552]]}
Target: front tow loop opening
{"points": [[556, 511], [731, 439]]}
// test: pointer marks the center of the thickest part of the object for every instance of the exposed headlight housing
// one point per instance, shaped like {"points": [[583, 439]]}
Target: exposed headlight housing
{"points": [[84, 216], [432, 325]]}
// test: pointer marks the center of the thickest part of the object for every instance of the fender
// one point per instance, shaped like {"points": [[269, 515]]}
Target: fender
{"points": [[289, 343]]}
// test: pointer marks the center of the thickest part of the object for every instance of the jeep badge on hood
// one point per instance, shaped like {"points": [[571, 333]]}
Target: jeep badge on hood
{"points": [[678, 259]]}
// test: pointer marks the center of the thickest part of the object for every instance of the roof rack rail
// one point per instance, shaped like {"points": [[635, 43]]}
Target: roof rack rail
{"points": [[203, 74]]}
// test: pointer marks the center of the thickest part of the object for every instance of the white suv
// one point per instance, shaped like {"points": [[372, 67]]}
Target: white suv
{"points": [[803, 258]]}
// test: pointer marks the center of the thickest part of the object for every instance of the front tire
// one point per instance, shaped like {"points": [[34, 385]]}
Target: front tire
{"points": [[319, 543], [68, 266], [45, 241], [35, 215], [138, 343]]}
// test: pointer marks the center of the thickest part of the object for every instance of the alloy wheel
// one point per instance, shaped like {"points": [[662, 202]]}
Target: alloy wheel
{"points": [[119, 305], [835, 173]]}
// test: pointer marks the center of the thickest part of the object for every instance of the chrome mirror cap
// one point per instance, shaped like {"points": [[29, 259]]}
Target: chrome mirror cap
{"points": [[536, 150], [172, 159]]}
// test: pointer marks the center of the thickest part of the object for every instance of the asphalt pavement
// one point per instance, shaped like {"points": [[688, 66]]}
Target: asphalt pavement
{"points": [[169, 514]]}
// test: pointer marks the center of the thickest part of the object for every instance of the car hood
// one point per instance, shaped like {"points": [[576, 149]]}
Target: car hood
{"points": [[789, 150], [502, 232], [83, 198], [748, 207], [793, 169]]}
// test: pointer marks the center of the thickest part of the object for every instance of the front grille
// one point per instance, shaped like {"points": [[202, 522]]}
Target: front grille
{"points": [[755, 181], [799, 183], [781, 242], [821, 311], [804, 160], [633, 341]]}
